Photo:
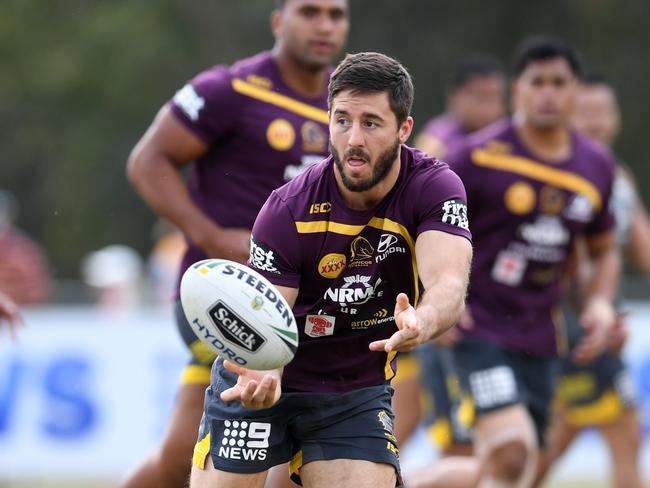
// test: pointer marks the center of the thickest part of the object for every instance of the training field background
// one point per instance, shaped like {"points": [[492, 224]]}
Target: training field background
{"points": [[85, 394]]}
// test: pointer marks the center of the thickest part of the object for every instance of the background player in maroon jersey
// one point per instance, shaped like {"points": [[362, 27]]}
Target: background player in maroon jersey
{"points": [[397, 218], [534, 186], [600, 393], [246, 129], [476, 97]]}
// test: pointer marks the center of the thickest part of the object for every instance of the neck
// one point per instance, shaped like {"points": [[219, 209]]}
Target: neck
{"points": [[308, 83], [368, 199], [552, 144]]}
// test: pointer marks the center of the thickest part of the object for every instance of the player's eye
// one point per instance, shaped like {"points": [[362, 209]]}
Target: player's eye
{"points": [[342, 121], [370, 124], [337, 14], [559, 82], [309, 12]]}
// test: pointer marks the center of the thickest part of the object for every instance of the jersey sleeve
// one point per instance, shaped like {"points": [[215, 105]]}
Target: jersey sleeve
{"points": [[275, 252], [206, 105], [442, 203], [604, 220]]}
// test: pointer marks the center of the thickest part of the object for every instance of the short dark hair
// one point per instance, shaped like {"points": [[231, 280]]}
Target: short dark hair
{"points": [[474, 66], [541, 48], [374, 72]]}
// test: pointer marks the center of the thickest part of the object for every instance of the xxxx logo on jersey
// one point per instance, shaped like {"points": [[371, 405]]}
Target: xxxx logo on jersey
{"points": [[331, 265]]}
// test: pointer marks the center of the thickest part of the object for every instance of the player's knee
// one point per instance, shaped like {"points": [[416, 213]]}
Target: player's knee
{"points": [[509, 461]]}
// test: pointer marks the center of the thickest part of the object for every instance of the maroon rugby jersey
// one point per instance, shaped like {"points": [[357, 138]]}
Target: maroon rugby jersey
{"points": [[446, 130], [525, 214], [260, 134], [349, 265]]}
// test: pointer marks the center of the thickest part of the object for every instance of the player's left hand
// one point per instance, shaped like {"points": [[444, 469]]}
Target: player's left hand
{"points": [[410, 333], [9, 311], [597, 320], [254, 389]]}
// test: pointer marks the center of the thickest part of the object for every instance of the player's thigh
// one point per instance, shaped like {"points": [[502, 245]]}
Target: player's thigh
{"points": [[623, 436], [209, 477], [508, 422], [279, 477], [184, 423], [348, 473], [406, 400]]}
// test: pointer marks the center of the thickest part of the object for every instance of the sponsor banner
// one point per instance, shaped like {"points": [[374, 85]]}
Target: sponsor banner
{"points": [[86, 395]]}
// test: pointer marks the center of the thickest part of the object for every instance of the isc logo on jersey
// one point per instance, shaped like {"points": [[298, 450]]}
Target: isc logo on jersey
{"points": [[244, 441], [239, 314]]}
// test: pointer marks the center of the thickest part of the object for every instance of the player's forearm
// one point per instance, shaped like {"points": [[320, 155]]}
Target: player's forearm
{"points": [[639, 245], [161, 186], [442, 305], [604, 280]]}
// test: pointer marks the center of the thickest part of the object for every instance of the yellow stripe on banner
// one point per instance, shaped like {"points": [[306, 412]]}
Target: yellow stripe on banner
{"points": [[317, 226], [201, 451], [195, 374], [389, 374], [282, 101], [538, 171]]}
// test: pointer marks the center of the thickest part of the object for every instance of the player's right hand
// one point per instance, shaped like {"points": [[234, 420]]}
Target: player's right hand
{"points": [[254, 389], [9, 311]]}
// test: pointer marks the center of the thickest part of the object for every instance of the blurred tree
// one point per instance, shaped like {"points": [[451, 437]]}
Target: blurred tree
{"points": [[81, 80]]}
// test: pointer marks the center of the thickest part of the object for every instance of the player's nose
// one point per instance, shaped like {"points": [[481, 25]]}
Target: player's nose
{"points": [[356, 138]]}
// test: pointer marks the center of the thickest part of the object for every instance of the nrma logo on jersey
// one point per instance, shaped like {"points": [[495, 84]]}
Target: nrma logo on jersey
{"points": [[234, 328], [355, 291], [244, 441]]}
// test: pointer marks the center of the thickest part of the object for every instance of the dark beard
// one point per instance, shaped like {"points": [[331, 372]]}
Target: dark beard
{"points": [[380, 171]]}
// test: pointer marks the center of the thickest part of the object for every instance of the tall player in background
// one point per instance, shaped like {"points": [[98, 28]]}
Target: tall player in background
{"points": [[600, 393], [476, 98], [534, 187], [245, 130], [476, 93]]}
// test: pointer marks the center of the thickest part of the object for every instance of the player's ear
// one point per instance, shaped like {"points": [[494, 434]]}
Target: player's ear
{"points": [[276, 22], [405, 129]]}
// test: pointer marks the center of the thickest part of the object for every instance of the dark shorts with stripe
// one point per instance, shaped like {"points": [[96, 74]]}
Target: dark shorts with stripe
{"points": [[198, 368], [497, 378], [596, 393], [301, 427], [449, 413]]}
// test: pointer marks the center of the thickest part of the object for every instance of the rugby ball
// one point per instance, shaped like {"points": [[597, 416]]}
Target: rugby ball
{"points": [[239, 314]]}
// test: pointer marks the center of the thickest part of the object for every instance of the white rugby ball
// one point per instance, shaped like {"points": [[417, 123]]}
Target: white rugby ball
{"points": [[239, 314]]}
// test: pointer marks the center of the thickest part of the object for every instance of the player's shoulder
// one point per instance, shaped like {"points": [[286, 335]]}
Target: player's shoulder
{"points": [[497, 136], [598, 156], [255, 69], [426, 172]]}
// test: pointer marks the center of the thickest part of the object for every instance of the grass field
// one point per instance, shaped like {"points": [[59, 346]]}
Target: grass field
{"points": [[97, 484]]}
